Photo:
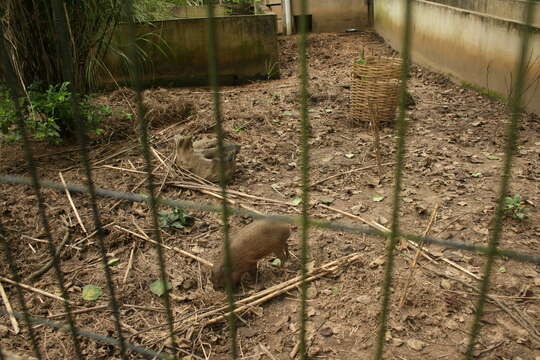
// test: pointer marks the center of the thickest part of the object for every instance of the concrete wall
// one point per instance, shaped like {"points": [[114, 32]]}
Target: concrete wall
{"points": [[335, 15], [247, 47], [327, 15], [506, 9], [474, 47]]}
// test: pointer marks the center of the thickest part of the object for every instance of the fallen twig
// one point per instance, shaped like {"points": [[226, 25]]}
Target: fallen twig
{"points": [[232, 202], [229, 191], [72, 204], [516, 317], [281, 288], [9, 310], [130, 263], [383, 229], [349, 172], [33, 289], [38, 273], [267, 352], [80, 311], [185, 253], [89, 236], [418, 250]]}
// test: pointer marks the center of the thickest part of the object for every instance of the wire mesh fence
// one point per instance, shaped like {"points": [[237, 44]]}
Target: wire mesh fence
{"points": [[118, 339]]}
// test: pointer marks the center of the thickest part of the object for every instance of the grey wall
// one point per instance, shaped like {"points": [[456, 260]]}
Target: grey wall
{"points": [[478, 48], [247, 48]]}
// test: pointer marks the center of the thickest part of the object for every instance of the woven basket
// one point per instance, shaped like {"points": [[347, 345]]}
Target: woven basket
{"points": [[374, 90]]}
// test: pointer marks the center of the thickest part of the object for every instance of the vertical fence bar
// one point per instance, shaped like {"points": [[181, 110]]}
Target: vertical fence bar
{"points": [[148, 167], [511, 135], [304, 137], [400, 156], [67, 54], [8, 256], [32, 169], [213, 78]]}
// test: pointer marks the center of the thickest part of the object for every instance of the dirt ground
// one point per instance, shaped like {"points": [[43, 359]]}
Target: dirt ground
{"points": [[455, 145]]}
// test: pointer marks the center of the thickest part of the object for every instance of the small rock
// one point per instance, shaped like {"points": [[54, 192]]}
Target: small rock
{"points": [[446, 284], [537, 283], [377, 262], [451, 324], [188, 284], [4, 331], [358, 209], [363, 299], [197, 250], [421, 209], [311, 292], [247, 332], [315, 350], [397, 342], [326, 332], [416, 345], [528, 272]]}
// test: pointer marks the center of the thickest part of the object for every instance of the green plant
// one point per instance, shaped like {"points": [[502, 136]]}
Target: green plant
{"points": [[271, 69], [48, 114], [513, 205], [361, 60], [487, 92], [176, 219], [239, 7]]}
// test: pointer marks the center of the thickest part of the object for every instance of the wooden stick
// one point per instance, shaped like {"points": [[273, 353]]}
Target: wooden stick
{"points": [[230, 201], [46, 242], [295, 349], [418, 250], [185, 253], [325, 269], [292, 284], [33, 289], [267, 352], [130, 263], [38, 273], [89, 236], [71, 202], [371, 223], [80, 311], [377, 139], [349, 172], [230, 191], [386, 230], [115, 154], [9, 310], [532, 332], [124, 169]]}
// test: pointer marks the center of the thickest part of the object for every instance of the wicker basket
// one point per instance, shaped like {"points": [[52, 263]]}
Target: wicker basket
{"points": [[374, 90]]}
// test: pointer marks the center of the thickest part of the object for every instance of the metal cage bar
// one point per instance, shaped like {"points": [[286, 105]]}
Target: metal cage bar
{"points": [[400, 156], [511, 140], [67, 57], [213, 77], [145, 150]]}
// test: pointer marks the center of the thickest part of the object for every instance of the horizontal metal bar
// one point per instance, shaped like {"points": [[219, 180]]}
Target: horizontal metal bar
{"points": [[105, 339], [356, 229]]}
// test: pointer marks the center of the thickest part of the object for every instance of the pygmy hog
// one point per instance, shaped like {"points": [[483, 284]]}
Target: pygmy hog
{"points": [[253, 242]]}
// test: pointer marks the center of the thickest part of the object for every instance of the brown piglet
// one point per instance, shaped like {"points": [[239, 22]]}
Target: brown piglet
{"points": [[253, 242]]}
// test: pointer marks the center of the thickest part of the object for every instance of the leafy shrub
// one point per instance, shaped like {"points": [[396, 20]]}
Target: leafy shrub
{"points": [[513, 205], [48, 114]]}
